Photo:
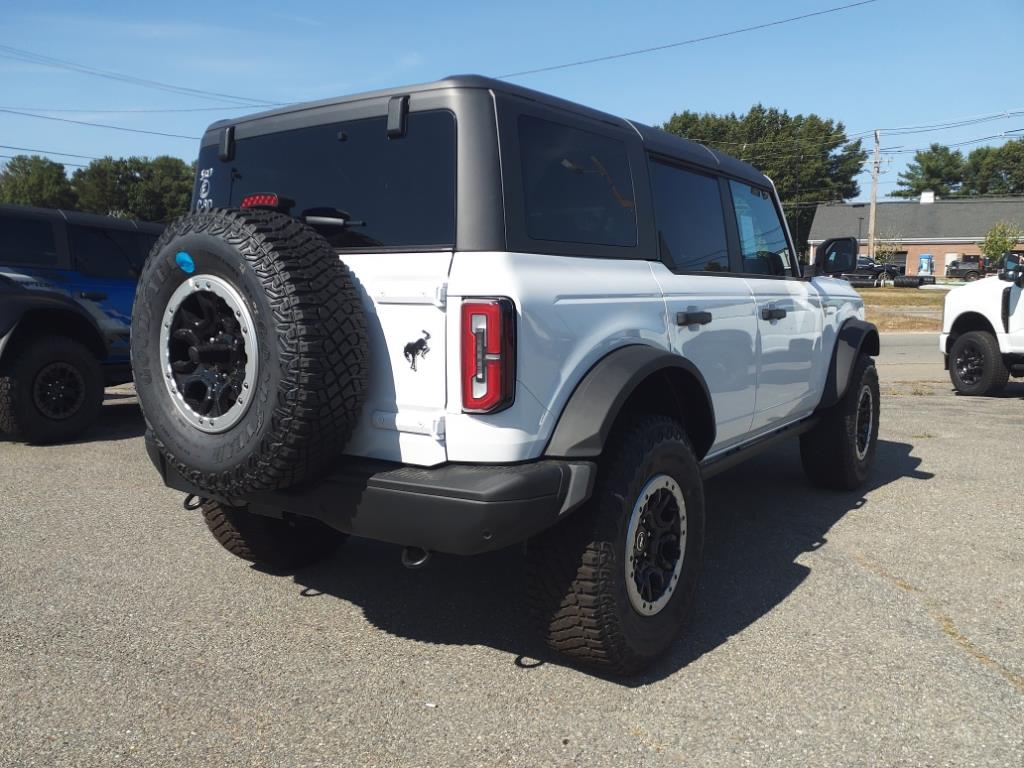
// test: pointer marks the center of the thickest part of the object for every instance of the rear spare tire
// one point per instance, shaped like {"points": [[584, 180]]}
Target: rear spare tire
{"points": [[249, 350]]}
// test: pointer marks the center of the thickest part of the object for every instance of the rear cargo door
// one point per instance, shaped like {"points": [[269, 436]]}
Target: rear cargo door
{"points": [[403, 298], [380, 188]]}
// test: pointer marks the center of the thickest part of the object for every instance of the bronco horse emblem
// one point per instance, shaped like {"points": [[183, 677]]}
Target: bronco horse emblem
{"points": [[418, 348]]}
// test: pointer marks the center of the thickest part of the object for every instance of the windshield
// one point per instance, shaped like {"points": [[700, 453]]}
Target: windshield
{"points": [[389, 192]]}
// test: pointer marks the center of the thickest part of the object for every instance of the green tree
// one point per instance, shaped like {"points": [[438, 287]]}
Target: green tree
{"points": [[163, 190], [995, 170], [936, 168], [106, 185], [34, 180], [808, 157], [1003, 237]]}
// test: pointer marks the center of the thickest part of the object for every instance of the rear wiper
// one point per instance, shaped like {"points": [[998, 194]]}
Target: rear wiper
{"points": [[330, 217]]}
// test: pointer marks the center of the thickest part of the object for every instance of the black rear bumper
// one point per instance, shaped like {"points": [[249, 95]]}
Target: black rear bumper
{"points": [[461, 509]]}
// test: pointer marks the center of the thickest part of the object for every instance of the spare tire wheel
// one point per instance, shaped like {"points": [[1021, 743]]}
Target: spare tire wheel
{"points": [[249, 350]]}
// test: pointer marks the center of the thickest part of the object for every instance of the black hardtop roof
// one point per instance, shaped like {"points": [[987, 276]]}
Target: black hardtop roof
{"points": [[86, 219], [655, 139]]}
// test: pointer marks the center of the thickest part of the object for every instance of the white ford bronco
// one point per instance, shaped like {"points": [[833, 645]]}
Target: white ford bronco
{"points": [[465, 315], [982, 338]]}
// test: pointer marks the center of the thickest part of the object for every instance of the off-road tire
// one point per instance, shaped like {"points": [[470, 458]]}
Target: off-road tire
{"points": [[994, 374], [20, 416], [312, 350], [577, 580], [278, 544], [829, 452]]}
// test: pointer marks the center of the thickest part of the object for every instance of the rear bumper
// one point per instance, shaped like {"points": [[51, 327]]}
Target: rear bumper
{"points": [[462, 509]]}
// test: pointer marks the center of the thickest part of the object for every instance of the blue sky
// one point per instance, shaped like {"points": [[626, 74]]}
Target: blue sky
{"points": [[891, 63]]}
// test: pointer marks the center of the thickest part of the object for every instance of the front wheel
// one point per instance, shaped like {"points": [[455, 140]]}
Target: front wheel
{"points": [[839, 451], [976, 365], [51, 390], [970, 277], [611, 585]]}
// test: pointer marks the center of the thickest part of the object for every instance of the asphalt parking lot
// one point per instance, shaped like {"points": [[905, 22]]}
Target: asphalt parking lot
{"points": [[880, 628]]}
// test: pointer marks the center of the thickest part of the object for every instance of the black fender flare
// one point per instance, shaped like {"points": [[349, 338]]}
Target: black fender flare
{"points": [[855, 337], [588, 416], [15, 304]]}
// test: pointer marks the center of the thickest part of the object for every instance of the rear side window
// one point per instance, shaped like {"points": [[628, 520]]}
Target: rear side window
{"points": [[107, 253], [27, 241], [577, 185], [691, 224], [396, 192], [762, 236]]}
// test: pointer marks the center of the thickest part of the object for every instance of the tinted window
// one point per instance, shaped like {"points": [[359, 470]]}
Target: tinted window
{"points": [[762, 237], [400, 192], [577, 186], [691, 224], [100, 252], [27, 241]]}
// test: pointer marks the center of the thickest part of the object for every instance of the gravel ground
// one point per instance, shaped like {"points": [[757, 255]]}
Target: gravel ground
{"points": [[871, 629]]}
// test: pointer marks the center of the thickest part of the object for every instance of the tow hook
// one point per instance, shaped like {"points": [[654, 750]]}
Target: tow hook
{"points": [[192, 502], [415, 557]]}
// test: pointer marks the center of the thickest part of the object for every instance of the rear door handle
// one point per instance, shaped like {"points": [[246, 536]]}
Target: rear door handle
{"points": [[693, 318], [772, 313], [93, 295]]}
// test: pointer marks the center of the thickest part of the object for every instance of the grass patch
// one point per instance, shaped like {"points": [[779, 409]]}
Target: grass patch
{"points": [[903, 309]]}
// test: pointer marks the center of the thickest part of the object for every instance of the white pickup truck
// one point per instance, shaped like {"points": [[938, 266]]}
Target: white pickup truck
{"points": [[982, 337]]}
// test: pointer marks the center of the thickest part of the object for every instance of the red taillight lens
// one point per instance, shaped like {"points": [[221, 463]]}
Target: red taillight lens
{"points": [[260, 200], [488, 355]]}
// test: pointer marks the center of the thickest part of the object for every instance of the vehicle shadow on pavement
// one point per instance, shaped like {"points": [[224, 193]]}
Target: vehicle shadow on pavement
{"points": [[120, 419], [757, 529]]}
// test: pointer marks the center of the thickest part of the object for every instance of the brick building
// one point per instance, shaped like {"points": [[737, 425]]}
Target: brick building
{"points": [[947, 229]]}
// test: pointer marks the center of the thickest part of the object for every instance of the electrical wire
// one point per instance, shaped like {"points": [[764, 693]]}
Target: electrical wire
{"points": [[691, 41], [48, 152], [140, 110], [97, 125], [9, 52]]}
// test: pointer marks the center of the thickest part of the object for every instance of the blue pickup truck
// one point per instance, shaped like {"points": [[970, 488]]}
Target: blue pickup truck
{"points": [[67, 282]]}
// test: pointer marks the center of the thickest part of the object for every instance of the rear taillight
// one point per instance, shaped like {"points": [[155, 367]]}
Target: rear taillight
{"points": [[267, 201], [488, 354], [260, 200]]}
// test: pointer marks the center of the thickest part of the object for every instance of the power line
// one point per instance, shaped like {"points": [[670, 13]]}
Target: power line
{"points": [[965, 143], [142, 110], [48, 152], [19, 54], [74, 165], [98, 125], [691, 41]]}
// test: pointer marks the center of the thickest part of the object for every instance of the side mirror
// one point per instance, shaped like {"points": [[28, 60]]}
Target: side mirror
{"points": [[837, 256], [1013, 270]]}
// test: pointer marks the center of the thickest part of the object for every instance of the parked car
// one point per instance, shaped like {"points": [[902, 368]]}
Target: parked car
{"points": [[547, 324], [982, 340], [868, 266], [968, 268], [67, 281]]}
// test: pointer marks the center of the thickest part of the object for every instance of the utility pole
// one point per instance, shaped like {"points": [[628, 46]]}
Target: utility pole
{"points": [[874, 195]]}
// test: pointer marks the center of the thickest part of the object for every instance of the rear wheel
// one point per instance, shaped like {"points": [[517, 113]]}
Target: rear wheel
{"points": [[611, 585], [970, 277], [976, 365], [51, 390], [268, 541], [839, 451]]}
